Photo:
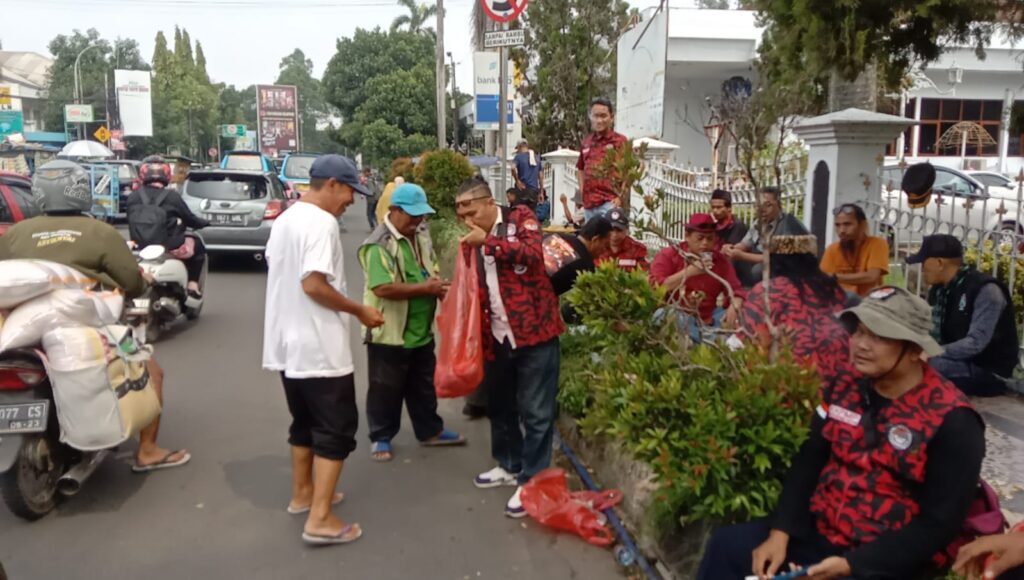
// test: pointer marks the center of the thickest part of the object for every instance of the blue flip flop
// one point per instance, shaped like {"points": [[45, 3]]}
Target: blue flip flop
{"points": [[381, 447], [446, 438]]}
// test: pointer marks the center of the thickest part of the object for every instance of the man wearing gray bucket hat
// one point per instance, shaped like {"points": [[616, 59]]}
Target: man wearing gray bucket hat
{"points": [[891, 464]]}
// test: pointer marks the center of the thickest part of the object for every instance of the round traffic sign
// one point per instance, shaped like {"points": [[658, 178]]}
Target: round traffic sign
{"points": [[503, 10], [212, 152], [232, 129]]}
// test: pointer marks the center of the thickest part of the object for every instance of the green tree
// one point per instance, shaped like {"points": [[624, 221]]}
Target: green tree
{"points": [[370, 53], [186, 105], [419, 14], [569, 58], [819, 38], [400, 98]]}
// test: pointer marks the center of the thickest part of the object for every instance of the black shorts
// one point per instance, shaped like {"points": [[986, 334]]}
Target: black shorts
{"points": [[324, 414]]}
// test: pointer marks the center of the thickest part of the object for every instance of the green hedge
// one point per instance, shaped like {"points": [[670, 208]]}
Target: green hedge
{"points": [[440, 173], [719, 427]]}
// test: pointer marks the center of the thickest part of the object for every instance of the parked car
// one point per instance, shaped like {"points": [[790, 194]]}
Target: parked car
{"points": [[998, 184], [295, 170], [241, 207], [960, 205], [247, 161], [16, 201]]}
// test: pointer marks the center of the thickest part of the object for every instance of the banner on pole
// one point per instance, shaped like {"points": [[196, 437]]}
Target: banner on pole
{"points": [[134, 102], [487, 89], [277, 114]]}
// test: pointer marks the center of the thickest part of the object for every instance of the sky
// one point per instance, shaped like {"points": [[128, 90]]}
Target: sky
{"points": [[244, 40]]}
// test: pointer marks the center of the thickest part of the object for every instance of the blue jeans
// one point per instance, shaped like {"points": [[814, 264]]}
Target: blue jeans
{"points": [[522, 385], [969, 378], [598, 211], [689, 324]]}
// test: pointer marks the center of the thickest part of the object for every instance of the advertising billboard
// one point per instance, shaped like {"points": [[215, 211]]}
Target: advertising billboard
{"points": [[134, 102], [486, 88], [277, 114]]}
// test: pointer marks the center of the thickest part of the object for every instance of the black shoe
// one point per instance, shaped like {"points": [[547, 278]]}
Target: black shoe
{"points": [[474, 411]]}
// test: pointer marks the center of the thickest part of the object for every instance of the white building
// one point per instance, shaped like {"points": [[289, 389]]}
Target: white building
{"points": [[24, 74], [705, 48]]}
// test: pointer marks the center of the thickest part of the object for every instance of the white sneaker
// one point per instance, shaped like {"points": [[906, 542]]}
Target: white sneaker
{"points": [[496, 477], [514, 508]]}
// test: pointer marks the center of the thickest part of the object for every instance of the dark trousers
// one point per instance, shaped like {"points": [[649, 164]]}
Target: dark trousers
{"points": [[194, 265], [970, 378], [400, 374], [728, 555], [522, 386], [371, 211], [324, 414]]}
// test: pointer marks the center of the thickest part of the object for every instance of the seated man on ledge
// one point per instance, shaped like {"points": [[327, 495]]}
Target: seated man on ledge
{"points": [[882, 485], [974, 319]]}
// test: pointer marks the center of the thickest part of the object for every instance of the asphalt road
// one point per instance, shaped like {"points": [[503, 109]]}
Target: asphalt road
{"points": [[223, 516]]}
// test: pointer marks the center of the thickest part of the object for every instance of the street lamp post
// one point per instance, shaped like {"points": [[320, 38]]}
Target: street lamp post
{"points": [[455, 107], [78, 87]]}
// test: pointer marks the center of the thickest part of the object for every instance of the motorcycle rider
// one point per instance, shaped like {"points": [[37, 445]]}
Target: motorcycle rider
{"points": [[155, 174], [68, 235]]}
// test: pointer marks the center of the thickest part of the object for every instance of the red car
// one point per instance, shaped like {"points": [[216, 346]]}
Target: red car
{"points": [[16, 202]]}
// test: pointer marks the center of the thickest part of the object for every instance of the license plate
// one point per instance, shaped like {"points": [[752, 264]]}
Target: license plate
{"points": [[24, 418], [141, 303], [226, 219]]}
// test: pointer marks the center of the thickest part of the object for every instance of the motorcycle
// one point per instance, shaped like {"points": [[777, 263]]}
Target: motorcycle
{"points": [[166, 300], [35, 467]]}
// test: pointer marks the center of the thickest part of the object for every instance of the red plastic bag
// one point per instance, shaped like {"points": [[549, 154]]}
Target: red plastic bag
{"points": [[548, 500], [460, 358]]}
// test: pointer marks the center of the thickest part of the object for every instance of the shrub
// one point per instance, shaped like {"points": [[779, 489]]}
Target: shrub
{"points": [[402, 167], [987, 258], [440, 173], [445, 231], [719, 427]]}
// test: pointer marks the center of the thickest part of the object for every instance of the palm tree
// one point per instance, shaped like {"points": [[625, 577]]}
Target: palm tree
{"points": [[418, 15]]}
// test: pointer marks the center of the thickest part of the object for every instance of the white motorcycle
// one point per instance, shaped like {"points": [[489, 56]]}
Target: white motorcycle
{"points": [[166, 301]]}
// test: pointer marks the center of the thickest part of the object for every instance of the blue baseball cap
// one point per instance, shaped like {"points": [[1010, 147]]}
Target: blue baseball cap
{"points": [[411, 199], [340, 168]]}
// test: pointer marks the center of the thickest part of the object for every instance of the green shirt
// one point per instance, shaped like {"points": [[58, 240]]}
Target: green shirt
{"points": [[418, 331], [88, 245]]}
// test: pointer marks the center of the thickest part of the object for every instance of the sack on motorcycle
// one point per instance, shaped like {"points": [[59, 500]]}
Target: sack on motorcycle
{"points": [[59, 309], [102, 399], [23, 280]]}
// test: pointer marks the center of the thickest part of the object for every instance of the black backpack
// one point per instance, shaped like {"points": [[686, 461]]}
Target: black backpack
{"points": [[148, 221]]}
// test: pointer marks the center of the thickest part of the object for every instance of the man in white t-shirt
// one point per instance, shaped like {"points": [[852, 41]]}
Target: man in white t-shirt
{"points": [[306, 339]]}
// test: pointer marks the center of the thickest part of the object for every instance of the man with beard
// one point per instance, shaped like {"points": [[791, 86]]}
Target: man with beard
{"points": [[858, 261]]}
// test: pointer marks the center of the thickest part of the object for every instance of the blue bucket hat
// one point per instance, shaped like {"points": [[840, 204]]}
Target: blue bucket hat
{"points": [[411, 199]]}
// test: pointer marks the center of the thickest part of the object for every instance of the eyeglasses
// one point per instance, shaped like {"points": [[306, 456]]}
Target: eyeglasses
{"points": [[845, 209], [468, 202]]}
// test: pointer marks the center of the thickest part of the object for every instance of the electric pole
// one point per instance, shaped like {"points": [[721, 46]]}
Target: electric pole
{"points": [[442, 125], [455, 107]]}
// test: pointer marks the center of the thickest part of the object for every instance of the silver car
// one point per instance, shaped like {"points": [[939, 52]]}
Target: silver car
{"points": [[241, 207]]}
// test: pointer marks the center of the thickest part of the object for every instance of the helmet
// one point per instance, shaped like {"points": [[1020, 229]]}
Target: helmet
{"points": [[62, 185], [155, 169]]}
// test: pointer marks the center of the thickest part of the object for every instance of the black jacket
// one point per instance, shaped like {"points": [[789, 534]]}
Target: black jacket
{"points": [[1000, 355], [178, 213]]}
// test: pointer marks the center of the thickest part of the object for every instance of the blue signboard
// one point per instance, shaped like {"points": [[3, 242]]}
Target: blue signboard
{"points": [[13, 122], [487, 109]]}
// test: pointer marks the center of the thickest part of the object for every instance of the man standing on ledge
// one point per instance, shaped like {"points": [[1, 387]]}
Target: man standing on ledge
{"points": [[973, 319], [521, 326], [599, 195], [306, 339]]}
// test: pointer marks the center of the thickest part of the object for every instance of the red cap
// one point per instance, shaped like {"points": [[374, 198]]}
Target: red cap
{"points": [[701, 222]]}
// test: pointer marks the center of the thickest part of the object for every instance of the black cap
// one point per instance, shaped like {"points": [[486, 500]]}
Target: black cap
{"points": [[937, 246], [917, 184], [618, 218], [340, 168]]}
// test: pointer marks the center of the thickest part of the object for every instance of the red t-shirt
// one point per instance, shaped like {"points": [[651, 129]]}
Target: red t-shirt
{"points": [[597, 191], [631, 255], [701, 292]]}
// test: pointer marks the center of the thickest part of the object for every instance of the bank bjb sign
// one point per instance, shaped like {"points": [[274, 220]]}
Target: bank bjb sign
{"points": [[503, 10], [486, 88]]}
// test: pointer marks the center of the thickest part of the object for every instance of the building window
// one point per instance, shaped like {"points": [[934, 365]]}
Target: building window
{"points": [[1016, 145], [939, 115]]}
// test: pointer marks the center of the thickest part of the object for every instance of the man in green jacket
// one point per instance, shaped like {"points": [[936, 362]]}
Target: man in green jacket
{"points": [[402, 282]]}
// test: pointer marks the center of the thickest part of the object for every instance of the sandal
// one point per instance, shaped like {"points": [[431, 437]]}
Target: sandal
{"points": [[348, 533], [338, 498], [164, 463], [380, 451], [445, 438]]}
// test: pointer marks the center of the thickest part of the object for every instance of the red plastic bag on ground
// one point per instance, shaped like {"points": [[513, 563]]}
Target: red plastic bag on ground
{"points": [[548, 500], [460, 358]]}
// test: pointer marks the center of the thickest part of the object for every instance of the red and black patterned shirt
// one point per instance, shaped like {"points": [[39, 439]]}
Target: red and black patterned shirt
{"points": [[631, 255], [596, 190]]}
